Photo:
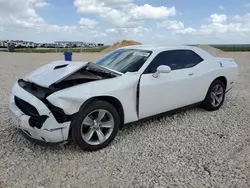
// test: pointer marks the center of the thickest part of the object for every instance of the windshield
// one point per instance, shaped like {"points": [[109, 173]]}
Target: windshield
{"points": [[125, 60]]}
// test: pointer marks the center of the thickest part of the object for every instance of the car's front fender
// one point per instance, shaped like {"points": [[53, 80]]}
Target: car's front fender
{"points": [[123, 88], [70, 99]]}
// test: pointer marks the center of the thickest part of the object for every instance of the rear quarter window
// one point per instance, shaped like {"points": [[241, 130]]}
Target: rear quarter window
{"points": [[190, 58], [175, 59]]}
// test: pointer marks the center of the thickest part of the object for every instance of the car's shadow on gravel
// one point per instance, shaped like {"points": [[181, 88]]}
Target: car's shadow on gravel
{"points": [[159, 118], [70, 146]]}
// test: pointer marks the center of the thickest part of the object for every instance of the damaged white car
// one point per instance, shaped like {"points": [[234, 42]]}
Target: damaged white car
{"points": [[90, 102]]}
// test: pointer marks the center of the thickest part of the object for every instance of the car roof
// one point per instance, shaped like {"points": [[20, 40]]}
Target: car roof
{"points": [[159, 48]]}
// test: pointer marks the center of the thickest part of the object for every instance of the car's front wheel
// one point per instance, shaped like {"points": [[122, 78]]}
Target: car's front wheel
{"points": [[95, 126]]}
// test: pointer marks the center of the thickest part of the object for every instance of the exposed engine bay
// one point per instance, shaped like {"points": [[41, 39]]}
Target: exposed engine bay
{"points": [[88, 73]]}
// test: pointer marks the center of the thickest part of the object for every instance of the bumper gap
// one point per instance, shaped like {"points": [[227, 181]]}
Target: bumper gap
{"points": [[25, 107], [27, 132], [37, 121]]}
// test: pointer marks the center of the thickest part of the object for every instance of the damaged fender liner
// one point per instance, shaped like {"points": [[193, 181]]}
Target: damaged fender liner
{"points": [[88, 73], [41, 93], [35, 119]]}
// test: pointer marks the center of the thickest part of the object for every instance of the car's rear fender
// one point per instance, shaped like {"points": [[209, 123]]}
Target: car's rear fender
{"points": [[229, 69], [215, 68]]}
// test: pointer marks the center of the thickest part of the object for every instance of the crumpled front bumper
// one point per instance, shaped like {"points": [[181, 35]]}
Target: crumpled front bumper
{"points": [[51, 131]]}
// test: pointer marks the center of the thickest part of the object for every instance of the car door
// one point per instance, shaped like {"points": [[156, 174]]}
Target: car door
{"points": [[169, 90]]}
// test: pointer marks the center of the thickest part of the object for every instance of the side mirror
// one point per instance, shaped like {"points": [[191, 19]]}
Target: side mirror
{"points": [[161, 69]]}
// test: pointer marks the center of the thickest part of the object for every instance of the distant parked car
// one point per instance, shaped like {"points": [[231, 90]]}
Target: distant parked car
{"points": [[67, 46], [49, 45], [90, 102]]}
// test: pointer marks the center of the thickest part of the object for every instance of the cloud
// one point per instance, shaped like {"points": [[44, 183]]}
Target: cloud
{"points": [[97, 6], [22, 14], [221, 7], [120, 19], [219, 25], [137, 30], [123, 13], [218, 18], [97, 34], [21, 21], [126, 19], [242, 19], [175, 25], [149, 12], [115, 2], [237, 29], [90, 6], [138, 34], [89, 23], [40, 3], [188, 30]]}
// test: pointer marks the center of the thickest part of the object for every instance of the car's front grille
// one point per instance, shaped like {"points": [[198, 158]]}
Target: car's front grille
{"points": [[25, 107]]}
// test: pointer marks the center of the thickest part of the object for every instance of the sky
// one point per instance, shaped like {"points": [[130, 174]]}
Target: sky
{"points": [[109, 21]]}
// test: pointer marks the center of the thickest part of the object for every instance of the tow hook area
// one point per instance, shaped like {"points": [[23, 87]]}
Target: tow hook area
{"points": [[55, 129], [62, 130], [42, 142]]}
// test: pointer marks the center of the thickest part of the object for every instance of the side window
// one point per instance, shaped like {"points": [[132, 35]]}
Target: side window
{"points": [[185, 59], [175, 59], [160, 59]]}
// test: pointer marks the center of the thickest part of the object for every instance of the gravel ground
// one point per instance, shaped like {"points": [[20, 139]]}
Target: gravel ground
{"points": [[195, 148]]}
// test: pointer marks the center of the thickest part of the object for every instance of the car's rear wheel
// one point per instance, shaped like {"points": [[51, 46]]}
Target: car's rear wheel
{"points": [[95, 126], [215, 96]]}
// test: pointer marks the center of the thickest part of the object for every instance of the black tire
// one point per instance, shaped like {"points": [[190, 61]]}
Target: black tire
{"points": [[76, 124], [207, 103]]}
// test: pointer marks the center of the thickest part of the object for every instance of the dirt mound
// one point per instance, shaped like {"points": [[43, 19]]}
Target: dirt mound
{"points": [[213, 51], [121, 44]]}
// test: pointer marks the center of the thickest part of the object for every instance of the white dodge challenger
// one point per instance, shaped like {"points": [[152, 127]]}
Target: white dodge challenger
{"points": [[90, 102]]}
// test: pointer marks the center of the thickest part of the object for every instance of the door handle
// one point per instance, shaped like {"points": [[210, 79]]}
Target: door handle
{"points": [[190, 74]]}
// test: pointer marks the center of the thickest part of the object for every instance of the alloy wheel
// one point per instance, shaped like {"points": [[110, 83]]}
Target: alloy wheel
{"points": [[217, 95], [97, 127]]}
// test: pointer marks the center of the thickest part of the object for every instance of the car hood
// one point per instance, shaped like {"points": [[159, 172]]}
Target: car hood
{"points": [[55, 72]]}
